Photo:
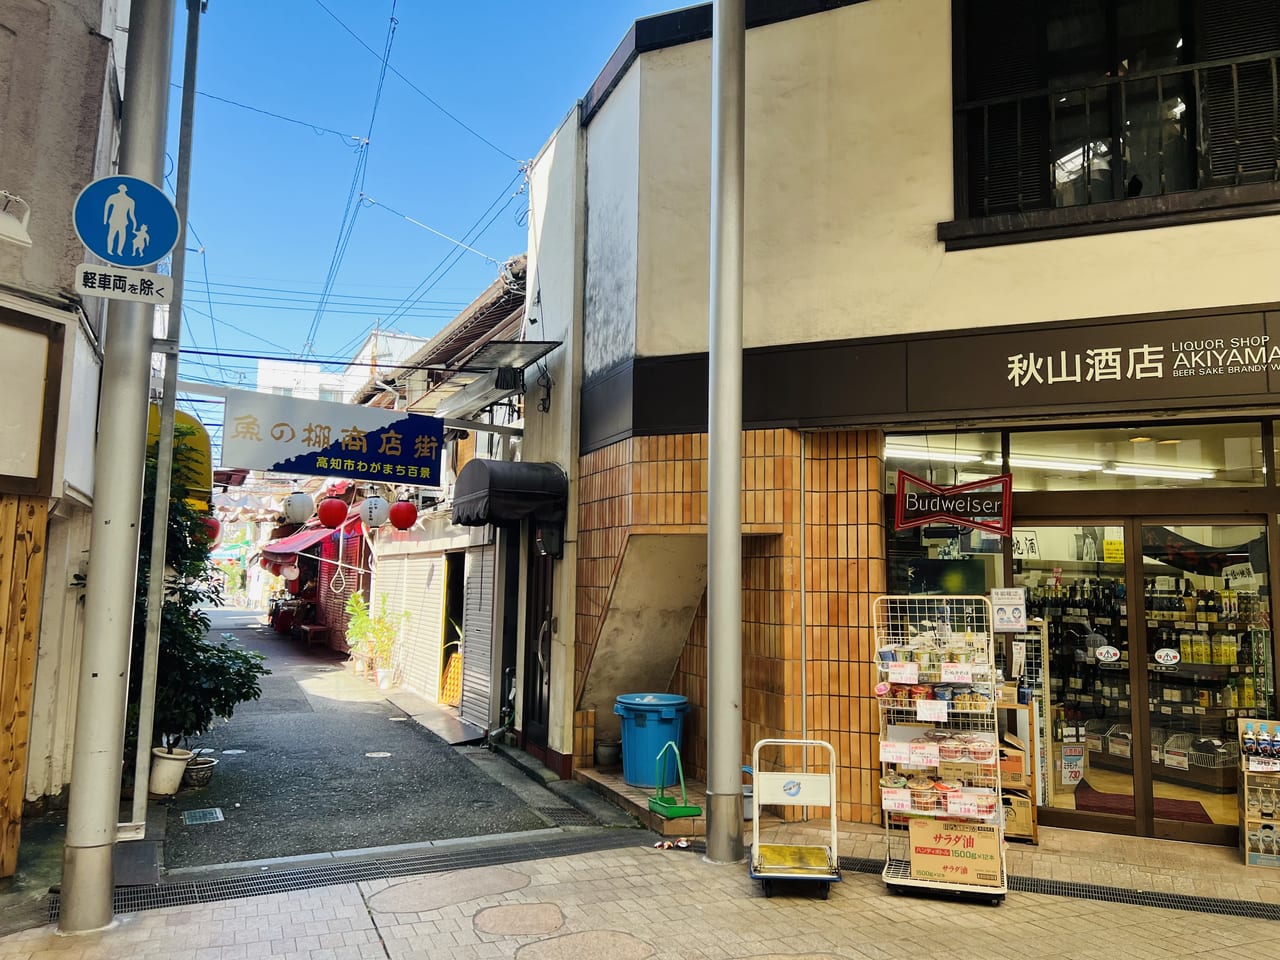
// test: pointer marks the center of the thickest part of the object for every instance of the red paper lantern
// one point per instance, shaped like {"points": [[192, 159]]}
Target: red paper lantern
{"points": [[213, 528], [403, 514], [331, 512]]}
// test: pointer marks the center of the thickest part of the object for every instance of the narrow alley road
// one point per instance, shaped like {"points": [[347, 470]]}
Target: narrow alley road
{"points": [[323, 762]]}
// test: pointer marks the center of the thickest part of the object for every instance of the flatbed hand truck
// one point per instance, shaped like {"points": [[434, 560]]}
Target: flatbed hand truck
{"points": [[814, 863]]}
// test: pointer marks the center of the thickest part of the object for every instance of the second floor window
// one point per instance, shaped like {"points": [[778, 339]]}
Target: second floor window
{"points": [[1068, 102]]}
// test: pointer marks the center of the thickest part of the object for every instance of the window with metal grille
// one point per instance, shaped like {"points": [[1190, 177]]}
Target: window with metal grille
{"points": [[1066, 103]]}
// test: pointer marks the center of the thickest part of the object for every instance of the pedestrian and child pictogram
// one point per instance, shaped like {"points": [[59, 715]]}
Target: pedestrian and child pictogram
{"points": [[126, 221]]}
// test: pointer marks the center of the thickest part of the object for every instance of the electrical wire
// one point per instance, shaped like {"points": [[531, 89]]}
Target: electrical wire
{"points": [[418, 90], [418, 223], [285, 358], [353, 205], [226, 289], [427, 283], [314, 127]]}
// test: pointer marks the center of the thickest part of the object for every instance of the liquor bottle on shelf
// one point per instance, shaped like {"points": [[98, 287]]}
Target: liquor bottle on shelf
{"points": [[1188, 598]]}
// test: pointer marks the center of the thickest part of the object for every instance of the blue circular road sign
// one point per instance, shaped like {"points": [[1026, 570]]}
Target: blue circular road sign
{"points": [[126, 221]]}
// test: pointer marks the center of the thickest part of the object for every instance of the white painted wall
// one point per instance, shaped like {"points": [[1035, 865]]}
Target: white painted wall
{"points": [[613, 217], [849, 171], [554, 288]]}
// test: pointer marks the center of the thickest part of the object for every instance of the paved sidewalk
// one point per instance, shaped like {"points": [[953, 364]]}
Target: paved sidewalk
{"points": [[637, 902]]}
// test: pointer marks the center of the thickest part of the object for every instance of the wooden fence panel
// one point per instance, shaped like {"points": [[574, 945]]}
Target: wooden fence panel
{"points": [[24, 523]]}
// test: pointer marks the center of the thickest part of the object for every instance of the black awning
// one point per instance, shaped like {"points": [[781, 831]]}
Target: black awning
{"points": [[504, 491]]}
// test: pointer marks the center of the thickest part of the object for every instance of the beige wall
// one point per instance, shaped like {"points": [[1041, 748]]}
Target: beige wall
{"points": [[849, 171], [554, 300]]}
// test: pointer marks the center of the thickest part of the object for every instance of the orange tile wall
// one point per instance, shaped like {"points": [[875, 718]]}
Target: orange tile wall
{"points": [[659, 485]]}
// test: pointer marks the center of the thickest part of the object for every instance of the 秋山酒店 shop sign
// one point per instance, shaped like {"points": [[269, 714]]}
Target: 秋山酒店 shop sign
{"points": [[1215, 359], [985, 504]]}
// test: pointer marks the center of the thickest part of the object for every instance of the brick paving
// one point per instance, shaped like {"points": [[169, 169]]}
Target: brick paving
{"points": [[639, 902]]}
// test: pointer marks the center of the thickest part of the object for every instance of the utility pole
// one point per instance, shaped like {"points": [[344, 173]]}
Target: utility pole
{"points": [[724, 441], [164, 442], [87, 877]]}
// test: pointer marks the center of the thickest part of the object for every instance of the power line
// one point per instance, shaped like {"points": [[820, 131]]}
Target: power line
{"points": [[353, 206], [425, 285], [418, 223], [418, 90], [303, 294], [314, 127], [286, 358]]}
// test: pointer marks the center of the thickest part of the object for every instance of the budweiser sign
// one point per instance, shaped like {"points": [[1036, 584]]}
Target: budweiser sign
{"points": [[985, 504]]}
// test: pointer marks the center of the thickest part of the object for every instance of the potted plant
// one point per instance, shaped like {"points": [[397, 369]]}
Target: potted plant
{"points": [[198, 680], [371, 638]]}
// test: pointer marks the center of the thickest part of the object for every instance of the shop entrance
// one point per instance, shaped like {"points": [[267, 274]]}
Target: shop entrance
{"points": [[1157, 641]]}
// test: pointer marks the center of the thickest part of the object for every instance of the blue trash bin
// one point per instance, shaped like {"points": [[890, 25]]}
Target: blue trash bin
{"points": [[649, 720]]}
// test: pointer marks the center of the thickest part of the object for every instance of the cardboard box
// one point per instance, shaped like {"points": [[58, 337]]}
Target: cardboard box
{"points": [[1018, 815], [1013, 762]]}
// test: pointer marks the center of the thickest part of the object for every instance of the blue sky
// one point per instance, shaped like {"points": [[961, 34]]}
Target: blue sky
{"points": [[268, 196]]}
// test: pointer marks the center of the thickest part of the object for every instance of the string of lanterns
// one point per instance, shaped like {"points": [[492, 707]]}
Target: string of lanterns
{"points": [[333, 512]]}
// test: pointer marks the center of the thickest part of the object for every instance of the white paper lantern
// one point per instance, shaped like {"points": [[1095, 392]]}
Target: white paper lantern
{"points": [[374, 512], [298, 507]]}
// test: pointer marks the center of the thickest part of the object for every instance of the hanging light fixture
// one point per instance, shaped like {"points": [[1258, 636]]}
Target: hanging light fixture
{"points": [[290, 571], [374, 512], [15, 214], [332, 512], [298, 507]]}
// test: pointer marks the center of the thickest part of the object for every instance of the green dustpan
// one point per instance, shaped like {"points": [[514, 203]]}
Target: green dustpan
{"points": [[668, 806]]}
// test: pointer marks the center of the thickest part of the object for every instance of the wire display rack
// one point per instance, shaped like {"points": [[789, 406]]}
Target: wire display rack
{"points": [[939, 745]]}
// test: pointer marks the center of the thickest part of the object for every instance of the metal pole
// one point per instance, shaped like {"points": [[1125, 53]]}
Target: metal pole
{"points": [[94, 797], [164, 444], [724, 507]]}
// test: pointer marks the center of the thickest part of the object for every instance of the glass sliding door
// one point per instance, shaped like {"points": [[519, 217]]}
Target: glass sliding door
{"points": [[1075, 577], [1207, 617]]}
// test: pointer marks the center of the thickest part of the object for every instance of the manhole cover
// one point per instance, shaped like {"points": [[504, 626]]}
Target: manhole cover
{"points": [[208, 815], [226, 753], [378, 754]]}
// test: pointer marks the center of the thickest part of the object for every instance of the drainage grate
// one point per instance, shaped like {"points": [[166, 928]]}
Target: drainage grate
{"points": [[207, 815], [133, 899], [567, 816]]}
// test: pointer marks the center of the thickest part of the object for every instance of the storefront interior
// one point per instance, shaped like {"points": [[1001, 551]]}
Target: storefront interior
{"points": [[1148, 556]]}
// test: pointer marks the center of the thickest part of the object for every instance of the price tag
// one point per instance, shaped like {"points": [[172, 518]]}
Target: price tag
{"points": [[1176, 760], [931, 710], [924, 755], [904, 672], [957, 673], [1264, 764], [959, 805], [1188, 709], [1072, 764], [895, 798], [891, 752]]}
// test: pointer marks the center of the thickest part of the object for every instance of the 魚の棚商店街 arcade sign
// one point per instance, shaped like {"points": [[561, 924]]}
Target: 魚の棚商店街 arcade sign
{"points": [[263, 431]]}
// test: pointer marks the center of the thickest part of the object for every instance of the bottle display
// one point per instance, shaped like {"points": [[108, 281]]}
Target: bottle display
{"points": [[1259, 797], [1149, 683]]}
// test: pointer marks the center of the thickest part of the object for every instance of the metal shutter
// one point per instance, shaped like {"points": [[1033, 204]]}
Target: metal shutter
{"points": [[424, 601], [1238, 107], [1007, 144], [389, 578], [477, 632]]}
